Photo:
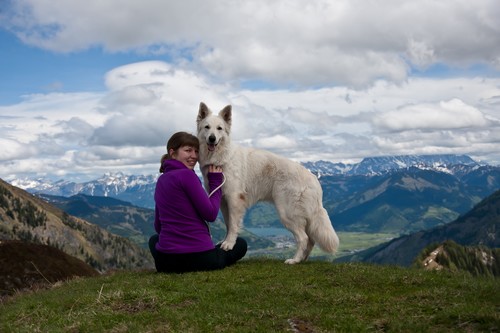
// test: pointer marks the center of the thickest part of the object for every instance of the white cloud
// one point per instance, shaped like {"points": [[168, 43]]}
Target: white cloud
{"points": [[125, 128], [343, 72], [420, 54], [419, 116], [149, 101], [47, 124], [13, 149], [144, 73], [350, 42], [276, 142], [453, 114]]}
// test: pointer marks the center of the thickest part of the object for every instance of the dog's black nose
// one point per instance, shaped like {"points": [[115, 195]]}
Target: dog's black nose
{"points": [[211, 138]]}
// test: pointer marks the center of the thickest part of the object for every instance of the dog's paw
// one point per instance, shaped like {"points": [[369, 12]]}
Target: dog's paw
{"points": [[291, 261], [226, 245]]}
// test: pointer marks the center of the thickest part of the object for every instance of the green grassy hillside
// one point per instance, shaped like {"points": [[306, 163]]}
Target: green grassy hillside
{"points": [[258, 295]]}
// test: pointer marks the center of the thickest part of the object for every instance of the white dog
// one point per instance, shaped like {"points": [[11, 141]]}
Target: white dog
{"points": [[254, 175]]}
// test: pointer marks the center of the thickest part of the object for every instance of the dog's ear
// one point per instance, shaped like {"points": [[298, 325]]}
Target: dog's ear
{"points": [[226, 114], [203, 112]]}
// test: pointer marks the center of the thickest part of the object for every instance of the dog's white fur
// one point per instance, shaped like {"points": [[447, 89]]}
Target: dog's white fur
{"points": [[254, 175]]}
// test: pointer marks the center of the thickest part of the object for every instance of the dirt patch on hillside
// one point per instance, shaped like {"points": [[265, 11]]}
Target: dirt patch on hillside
{"points": [[430, 263], [25, 266]]}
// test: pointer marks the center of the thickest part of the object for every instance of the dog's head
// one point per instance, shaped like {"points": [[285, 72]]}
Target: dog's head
{"points": [[213, 130]]}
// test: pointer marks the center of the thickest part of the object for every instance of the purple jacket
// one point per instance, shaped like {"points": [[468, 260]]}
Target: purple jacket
{"points": [[181, 208]]}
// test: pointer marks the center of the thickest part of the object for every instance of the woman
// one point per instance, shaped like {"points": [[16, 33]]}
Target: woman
{"points": [[182, 206]]}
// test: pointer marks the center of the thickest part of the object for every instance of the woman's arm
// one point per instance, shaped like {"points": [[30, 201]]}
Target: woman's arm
{"points": [[206, 207]]}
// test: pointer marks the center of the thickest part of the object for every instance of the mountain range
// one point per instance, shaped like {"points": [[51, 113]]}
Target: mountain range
{"points": [[392, 194], [383, 164], [405, 200], [136, 189], [426, 204], [119, 217], [139, 189]]}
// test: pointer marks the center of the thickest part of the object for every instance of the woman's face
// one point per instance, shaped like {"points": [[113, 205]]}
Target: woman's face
{"points": [[187, 155]]}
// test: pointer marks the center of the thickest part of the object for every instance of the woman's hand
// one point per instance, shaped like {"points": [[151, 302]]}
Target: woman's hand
{"points": [[213, 168]]}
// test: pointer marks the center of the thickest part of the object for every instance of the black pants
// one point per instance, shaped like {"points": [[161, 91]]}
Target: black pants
{"points": [[196, 261]]}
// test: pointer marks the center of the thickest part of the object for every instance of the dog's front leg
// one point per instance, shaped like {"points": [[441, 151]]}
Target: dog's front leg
{"points": [[233, 212], [225, 214]]}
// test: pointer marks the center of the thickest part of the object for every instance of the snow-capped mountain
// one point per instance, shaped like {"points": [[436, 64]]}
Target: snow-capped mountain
{"points": [[442, 163], [328, 168], [43, 185], [139, 189], [112, 184], [380, 165], [109, 184]]}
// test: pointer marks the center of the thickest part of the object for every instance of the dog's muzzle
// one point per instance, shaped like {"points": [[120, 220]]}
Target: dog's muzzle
{"points": [[212, 142]]}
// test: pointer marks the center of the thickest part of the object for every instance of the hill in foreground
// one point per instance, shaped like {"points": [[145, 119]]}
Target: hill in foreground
{"points": [[31, 266], [263, 296]]}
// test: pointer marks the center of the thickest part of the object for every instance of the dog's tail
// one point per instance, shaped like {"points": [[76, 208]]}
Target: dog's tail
{"points": [[322, 232]]}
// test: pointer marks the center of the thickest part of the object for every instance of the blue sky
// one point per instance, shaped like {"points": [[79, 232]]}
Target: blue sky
{"points": [[94, 87], [32, 70]]}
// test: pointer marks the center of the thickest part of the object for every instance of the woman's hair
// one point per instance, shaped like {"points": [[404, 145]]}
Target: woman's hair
{"points": [[177, 140], [163, 158]]}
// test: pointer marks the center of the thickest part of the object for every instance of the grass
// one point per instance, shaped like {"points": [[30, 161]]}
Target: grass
{"points": [[262, 295]]}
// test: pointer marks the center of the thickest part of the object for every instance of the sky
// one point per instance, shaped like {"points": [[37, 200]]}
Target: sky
{"points": [[92, 87]]}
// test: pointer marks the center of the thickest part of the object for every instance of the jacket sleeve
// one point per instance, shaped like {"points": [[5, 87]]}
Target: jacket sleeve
{"points": [[206, 207]]}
